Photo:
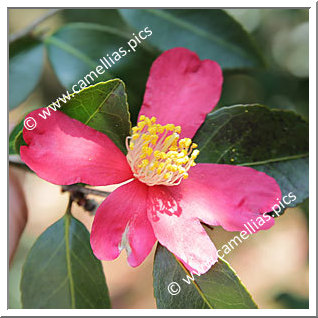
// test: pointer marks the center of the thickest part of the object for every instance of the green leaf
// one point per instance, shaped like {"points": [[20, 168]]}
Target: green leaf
{"points": [[292, 176], [269, 140], [292, 301], [251, 135], [219, 288], [16, 139], [212, 34], [25, 66], [102, 106], [61, 270], [305, 208], [270, 87], [110, 17], [76, 49]]}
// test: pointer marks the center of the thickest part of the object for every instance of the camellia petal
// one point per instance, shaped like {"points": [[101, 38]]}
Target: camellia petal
{"points": [[178, 231], [170, 195], [64, 151], [121, 222], [229, 196], [182, 89]]}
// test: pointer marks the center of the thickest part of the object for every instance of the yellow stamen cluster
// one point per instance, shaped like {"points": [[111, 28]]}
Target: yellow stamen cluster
{"points": [[157, 155]]}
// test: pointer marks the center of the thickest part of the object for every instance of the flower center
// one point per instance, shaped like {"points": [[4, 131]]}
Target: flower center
{"points": [[156, 154]]}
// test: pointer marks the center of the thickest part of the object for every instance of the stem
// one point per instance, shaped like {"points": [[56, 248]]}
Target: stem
{"points": [[15, 161], [81, 189], [69, 205], [28, 30]]}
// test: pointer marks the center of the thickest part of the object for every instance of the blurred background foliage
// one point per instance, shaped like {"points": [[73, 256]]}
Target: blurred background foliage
{"points": [[280, 35], [283, 37]]}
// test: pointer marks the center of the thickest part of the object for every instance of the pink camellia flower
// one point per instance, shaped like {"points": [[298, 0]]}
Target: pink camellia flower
{"points": [[167, 195]]}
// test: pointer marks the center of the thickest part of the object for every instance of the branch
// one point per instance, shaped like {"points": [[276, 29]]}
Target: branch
{"points": [[83, 190], [28, 30], [15, 160]]}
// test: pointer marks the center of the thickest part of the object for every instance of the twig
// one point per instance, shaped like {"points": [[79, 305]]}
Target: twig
{"points": [[32, 26], [69, 205], [15, 159], [81, 189]]}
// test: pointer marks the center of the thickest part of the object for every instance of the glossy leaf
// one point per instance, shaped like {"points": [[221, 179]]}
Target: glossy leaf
{"points": [[102, 106], [219, 288], [61, 270], [269, 140], [251, 135], [292, 176], [25, 66], [212, 34], [76, 49]]}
